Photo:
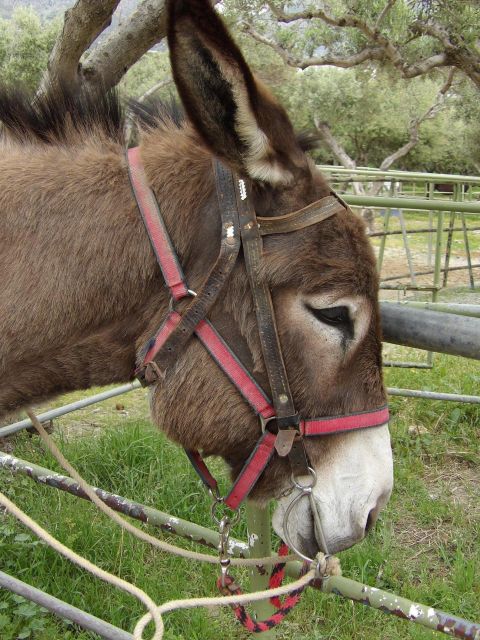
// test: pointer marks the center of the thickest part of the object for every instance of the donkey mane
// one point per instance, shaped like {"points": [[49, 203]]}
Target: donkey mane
{"points": [[57, 116]]}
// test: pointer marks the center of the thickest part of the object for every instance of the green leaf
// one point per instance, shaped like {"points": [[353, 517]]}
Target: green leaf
{"points": [[27, 610], [4, 620], [22, 537]]}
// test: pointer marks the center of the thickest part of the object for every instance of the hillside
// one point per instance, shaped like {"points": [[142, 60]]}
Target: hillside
{"points": [[48, 9]]}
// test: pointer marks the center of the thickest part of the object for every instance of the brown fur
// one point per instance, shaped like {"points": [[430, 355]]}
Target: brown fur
{"points": [[81, 292]]}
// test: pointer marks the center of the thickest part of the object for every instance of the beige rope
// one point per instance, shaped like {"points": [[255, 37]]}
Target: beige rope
{"points": [[154, 612], [223, 601], [125, 524], [87, 565]]}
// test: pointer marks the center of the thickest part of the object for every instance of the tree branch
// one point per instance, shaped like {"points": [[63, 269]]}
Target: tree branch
{"points": [[156, 87], [83, 23], [339, 152], [384, 12], [414, 130], [346, 62], [108, 62], [380, 48]]}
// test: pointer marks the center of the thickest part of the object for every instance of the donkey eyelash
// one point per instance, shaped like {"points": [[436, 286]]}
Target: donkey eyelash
{"points": [[333, 316]]}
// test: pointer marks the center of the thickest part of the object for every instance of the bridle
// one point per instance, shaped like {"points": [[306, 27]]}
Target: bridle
{"points": [[282, 428]]}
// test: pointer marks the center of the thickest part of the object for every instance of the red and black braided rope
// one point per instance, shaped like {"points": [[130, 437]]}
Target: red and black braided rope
{"points": [[283, 608]]}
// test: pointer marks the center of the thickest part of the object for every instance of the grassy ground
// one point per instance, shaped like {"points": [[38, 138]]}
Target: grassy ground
{"points": [[426, 545]]}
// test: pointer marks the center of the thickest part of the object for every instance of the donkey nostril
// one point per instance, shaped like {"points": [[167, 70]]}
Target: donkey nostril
{"points": [[372, 517]]}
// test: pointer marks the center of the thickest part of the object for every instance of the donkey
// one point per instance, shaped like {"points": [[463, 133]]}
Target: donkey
{"points": [[81, 291]]}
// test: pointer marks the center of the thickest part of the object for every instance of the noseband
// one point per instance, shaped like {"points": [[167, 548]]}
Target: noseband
{"points": [[283, 429]]}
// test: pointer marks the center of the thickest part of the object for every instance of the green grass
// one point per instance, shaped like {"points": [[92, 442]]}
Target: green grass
{"points": [[426, 545]]}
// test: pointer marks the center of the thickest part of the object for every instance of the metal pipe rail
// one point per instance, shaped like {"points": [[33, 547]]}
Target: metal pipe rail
{"points": [[432, 395], [431, 330], [415, 204], [344, 587], [141, 512], [69, 408], [428, 272], [63, 609], [382, 234], [455, 308], [401, 175]]}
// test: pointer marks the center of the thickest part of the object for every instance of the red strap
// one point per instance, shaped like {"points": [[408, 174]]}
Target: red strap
{"points": [[201, 468], [161, 243], [234, 369], [361, 420], [276, 578], [252, 470], [169, 324]]}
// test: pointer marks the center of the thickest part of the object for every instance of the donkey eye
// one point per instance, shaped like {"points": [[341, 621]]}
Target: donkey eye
{"points": [[335, 316]]}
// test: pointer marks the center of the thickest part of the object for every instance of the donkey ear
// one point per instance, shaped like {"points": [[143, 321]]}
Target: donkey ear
{"points": [[234, 114]]}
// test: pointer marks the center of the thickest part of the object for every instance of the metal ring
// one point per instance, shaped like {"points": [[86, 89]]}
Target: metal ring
{"points": [[264, 421], [288, 540], [305, 488], [172, 302], [232, 520]]}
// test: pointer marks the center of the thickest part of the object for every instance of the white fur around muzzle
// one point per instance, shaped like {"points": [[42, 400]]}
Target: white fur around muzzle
{"points": [[353, 483]]}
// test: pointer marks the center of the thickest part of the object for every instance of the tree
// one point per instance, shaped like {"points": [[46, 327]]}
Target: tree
{"points": [[74, 60], [412, 37], [25, 44]]}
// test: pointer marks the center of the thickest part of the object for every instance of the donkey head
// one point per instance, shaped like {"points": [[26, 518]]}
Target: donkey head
{"points": [[324, 288]]}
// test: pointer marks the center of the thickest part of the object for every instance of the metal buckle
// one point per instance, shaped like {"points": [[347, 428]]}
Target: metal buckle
{"points": [[149, 373], [171, 305], [233, 518], [224, 535], [265, 421]]}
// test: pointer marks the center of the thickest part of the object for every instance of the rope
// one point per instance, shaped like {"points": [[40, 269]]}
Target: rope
{"points": [[244, 598], [229, 586], [125, 524], [86, 564], [237, 600]]}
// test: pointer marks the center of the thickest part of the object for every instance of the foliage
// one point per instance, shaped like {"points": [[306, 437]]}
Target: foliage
{"points": [[151, 69], [25, 44], [369, 109], [370, 114]]}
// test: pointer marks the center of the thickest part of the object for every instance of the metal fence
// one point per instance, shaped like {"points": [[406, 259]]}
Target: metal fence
{"points": [[411, 326]]}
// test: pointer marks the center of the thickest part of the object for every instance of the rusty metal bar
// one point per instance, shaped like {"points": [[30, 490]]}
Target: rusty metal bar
{"points": [[376, 598], [402, 607], [63, 609], [149, 515]]}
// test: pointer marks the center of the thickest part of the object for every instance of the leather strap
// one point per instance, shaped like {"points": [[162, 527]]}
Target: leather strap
{"points": [[311, 214], [349, 422], [251, 471], [167, 352], [267, 329], [238, 218]]}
